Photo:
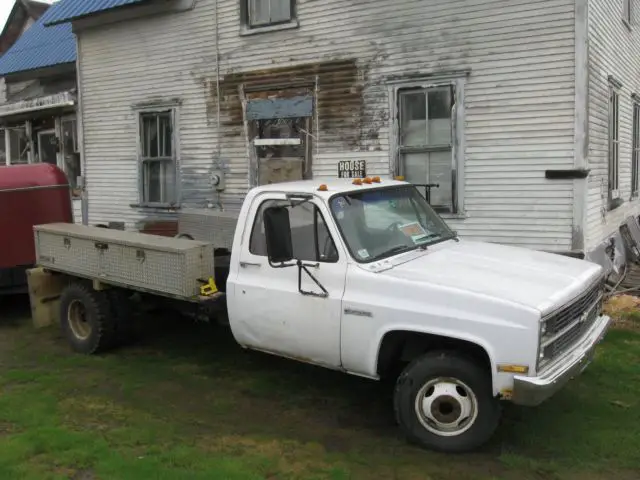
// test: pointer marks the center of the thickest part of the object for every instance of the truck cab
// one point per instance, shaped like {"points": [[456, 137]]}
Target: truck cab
{"points": [[29, 195], [364, 277]]}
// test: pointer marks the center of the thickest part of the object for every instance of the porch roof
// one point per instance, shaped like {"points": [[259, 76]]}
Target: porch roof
{"points": [[56, 100], [40, 47]]}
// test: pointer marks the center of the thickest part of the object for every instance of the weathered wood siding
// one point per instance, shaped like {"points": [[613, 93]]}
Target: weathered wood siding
{"points": [[614, 49], [519, 99]]}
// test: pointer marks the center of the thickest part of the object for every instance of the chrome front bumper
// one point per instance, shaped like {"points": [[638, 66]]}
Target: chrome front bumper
{"points": [[532, 391]]}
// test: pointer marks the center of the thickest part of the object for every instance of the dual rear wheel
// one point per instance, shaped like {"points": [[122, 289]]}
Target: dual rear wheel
{"points": [[95, 321]]}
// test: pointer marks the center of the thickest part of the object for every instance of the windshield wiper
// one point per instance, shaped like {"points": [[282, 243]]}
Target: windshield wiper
{"points": [[427, 237], [393, 250]]}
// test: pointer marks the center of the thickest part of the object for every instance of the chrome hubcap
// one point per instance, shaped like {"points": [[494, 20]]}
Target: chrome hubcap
{"points": [[446, 406]]}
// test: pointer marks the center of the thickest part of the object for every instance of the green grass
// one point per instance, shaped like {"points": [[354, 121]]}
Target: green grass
{"points": [[187, 403]]}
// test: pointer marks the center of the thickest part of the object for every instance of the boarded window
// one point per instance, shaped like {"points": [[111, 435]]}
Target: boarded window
{"points": [[426, 142], [287, 121], [157, 158]]}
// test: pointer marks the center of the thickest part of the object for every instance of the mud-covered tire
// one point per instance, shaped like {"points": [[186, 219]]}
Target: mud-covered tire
{"points": [[86, 319], [436, 393], [123, 318]]}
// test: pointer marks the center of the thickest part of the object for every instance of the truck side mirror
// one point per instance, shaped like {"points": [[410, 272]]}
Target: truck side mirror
{"points": [[277, 230]]}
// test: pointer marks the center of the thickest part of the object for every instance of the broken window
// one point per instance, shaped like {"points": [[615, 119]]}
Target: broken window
{"points": [[426, 142], [614, 143], [70, 152], [157, 158], [280, 132], [3, 147], [262, 13], [18, 145]]}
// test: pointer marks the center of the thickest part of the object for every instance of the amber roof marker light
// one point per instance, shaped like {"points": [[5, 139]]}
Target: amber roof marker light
{"points": [[323, 188]]}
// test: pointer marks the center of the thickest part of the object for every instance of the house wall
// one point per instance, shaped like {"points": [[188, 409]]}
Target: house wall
{"points": [[614, 49], [518, 105]]}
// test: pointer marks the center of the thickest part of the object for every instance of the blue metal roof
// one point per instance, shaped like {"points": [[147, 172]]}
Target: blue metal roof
{"points": [[67, 10], [40, 47]]}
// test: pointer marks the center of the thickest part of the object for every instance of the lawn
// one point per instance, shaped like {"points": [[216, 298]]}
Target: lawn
{"points": [[188, 403]]}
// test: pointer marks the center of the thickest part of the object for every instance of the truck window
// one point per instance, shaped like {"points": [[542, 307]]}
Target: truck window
{"points": [[310, 236]]}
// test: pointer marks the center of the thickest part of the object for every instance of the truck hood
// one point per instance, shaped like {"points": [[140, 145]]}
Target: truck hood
{"points": [[534, 279]]}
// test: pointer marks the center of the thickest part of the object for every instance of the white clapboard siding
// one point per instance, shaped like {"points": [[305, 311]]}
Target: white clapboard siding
{"points": [[519, 99], [614, 49]]}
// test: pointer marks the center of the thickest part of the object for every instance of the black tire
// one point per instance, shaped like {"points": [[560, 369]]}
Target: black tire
{"points": [[94, 333], [447, 366], [122, 311]]}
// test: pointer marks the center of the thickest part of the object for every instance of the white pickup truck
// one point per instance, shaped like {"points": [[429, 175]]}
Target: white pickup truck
{"points": [[363, 277]]}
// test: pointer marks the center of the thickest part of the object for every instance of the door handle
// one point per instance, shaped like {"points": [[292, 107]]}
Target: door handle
{"points": [[249, 264]]}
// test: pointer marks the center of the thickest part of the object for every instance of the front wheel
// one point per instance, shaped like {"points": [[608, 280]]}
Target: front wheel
{"points": [[444, 401]]}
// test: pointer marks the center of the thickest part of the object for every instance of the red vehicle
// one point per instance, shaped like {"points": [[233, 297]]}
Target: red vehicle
{"points": [[29, 195]]}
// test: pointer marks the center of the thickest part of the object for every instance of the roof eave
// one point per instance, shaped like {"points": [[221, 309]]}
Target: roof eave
{"points": [[94, 14], [30, 72]]}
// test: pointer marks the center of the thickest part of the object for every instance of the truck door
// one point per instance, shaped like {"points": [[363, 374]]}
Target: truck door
{"points": [[269, 311]]}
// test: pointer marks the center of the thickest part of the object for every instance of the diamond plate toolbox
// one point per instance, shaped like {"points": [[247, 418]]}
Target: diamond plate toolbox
{"points": [[167, 266], [213, 226]]}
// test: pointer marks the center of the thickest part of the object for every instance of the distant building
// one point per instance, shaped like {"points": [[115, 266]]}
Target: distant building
{"points": [[38, 104]]}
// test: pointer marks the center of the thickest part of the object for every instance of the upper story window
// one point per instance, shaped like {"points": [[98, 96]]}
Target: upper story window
{"points": [[261, 15]]}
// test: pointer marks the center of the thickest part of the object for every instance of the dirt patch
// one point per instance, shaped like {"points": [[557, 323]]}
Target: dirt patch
{"points": [[625, 312]]}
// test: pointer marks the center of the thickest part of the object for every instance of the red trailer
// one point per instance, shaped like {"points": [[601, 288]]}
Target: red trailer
{"points": [[29, 195]]}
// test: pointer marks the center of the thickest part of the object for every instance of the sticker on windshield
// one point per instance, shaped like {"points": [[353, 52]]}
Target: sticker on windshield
{"points": [[363, 253], [414, 231]]}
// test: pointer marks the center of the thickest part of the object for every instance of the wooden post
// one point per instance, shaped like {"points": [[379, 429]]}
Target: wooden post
{"points": [[44, 296]]}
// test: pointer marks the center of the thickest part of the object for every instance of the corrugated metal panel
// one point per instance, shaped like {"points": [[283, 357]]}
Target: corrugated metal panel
{"points": [[519, 99], [66, 10], [613, 50], [40, 47]]}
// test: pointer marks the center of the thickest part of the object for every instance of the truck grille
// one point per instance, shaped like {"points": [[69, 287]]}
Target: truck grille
{"points": [[567, 325]]}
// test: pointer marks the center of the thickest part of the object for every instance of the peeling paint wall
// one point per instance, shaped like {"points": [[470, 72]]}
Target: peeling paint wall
{"points": [[518, 100]]}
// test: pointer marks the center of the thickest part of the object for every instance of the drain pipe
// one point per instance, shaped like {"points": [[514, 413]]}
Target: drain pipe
{"points": [[84, 197]]}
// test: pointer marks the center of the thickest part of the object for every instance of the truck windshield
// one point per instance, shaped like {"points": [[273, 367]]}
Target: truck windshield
{"points": [[377, 224]]}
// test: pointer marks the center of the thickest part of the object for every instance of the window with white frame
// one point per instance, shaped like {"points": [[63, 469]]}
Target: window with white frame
{"points": [[158, 158], [635, 154], [627, 11], [264, 13], [426, 137], [614, 143]]}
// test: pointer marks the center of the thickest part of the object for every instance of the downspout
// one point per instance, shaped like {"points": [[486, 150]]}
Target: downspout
{"points": [[84, 197], [219, 163], [581, 126]]}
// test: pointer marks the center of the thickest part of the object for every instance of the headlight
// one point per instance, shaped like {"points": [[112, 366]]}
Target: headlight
{"points": [[542, 337]]}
